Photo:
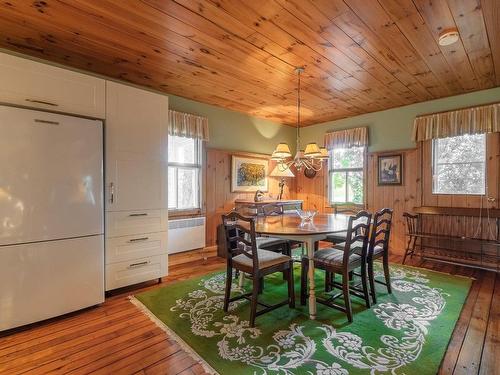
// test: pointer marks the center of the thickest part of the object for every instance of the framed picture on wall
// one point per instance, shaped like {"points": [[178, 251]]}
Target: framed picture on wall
{"points": [[249, 174], [390, 169]]}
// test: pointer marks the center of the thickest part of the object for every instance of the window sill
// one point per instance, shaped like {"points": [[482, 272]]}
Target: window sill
{"points": [[184, 214]]}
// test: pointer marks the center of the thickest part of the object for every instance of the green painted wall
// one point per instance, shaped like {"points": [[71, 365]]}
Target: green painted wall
{"points": [[391, 129], [230, 130]]}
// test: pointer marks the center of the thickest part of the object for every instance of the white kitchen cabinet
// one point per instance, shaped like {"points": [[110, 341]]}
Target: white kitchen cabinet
{"points": [[136, 185], [136, 148], [125, 223], [134, 271], [32, 84], [136, 122]]}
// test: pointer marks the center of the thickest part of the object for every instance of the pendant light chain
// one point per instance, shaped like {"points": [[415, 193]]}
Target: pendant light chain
{"points": [[313, 156]]}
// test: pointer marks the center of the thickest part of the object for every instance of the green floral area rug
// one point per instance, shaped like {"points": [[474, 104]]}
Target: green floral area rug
{"points": [[406, 332]]}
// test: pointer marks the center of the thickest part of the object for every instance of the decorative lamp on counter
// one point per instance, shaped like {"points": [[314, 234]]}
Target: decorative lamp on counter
{"points": [[278, 172]]}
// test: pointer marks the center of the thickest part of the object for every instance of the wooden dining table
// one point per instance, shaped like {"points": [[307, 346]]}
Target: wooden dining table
{"points": [[291, 227]]}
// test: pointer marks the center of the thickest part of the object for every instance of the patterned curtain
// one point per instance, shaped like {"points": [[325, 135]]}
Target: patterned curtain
{"points": [[187, 125], [346, 138], [475, 120]]}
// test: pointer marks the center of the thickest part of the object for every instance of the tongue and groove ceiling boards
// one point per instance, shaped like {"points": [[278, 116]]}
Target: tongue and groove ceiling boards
{"points": [[360, 56]]}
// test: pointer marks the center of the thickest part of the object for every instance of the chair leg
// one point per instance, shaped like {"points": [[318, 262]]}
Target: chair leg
{"points": [[261, 285], [303, 281], [291, 288], [328, 282], [351, 275], [255, 295], [227, 293], [408, 249], [364, 282], [347, 297], [371, 278], [386, 272]]}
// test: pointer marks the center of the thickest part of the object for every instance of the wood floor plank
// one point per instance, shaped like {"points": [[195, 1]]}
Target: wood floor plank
{"points": [[53, 339], [140, 359], [490, 360], [116, 338], [457, 338], [470, 354], [48, 359], [54, 325]]}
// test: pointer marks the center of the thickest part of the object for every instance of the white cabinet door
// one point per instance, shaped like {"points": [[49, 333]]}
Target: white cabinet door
{"points": [[33, 84], [136, 121], [134, 183], [136, 149]]}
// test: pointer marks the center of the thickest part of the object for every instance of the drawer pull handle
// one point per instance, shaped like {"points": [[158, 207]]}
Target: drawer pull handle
{"points": [[138, 239], [140, 264], [135, 215], [42, 102], [46, 122]]}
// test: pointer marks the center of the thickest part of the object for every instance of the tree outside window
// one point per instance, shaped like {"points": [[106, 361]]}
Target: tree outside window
{"points": [[184, 173], [346, 175], [459, 165]]}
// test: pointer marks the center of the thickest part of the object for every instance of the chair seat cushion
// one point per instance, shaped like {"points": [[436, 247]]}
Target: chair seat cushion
{"points": [[334, 257], [267, 242], [378, 250], [266, 259], [337, 237], [358, 247]]}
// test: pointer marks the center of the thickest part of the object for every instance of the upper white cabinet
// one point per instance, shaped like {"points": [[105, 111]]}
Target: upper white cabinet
{"points": [[136, 121], [136, 149], [32, 84]]}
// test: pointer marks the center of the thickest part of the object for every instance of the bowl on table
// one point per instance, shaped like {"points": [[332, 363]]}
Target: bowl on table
{"points": [[306, 215]]}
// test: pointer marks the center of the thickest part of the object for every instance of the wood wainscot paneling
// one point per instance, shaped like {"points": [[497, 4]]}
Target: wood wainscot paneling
{"points": [[218, 196], [401, 198]]}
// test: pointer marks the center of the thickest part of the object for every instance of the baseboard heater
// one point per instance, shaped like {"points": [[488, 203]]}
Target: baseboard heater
{"points": [[186, 234]]}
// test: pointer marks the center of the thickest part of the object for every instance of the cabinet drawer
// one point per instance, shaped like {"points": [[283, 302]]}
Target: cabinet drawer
{"points": [[135, 271], [124, 223], [122, 249], [33, 84]]}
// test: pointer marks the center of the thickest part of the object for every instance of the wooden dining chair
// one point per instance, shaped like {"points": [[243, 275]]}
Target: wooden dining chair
{"points": [[412, 223], [272, 209], [343, 260], [379, 248], [339, 237], [245, 256]]}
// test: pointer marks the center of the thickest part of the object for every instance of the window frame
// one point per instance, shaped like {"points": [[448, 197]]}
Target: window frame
{"points": [[331, 170], [433, 147], [197, 165]]}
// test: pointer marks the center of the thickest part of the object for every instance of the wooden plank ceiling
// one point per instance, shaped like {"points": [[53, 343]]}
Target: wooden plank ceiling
{"points": [[360, 56]]}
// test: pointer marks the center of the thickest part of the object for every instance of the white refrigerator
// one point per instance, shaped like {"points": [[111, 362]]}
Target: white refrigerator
{"points": [[51, 215]]}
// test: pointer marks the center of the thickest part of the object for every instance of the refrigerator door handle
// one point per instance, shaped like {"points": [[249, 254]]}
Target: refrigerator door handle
{"points": [[112, 193]]}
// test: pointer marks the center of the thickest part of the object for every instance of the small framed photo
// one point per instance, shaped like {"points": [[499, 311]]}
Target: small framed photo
{"points": [[390, 169], [249, 174]]}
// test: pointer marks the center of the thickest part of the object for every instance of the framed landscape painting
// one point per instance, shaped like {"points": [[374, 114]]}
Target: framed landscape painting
{"points": [[249, 174], [390, 169]]}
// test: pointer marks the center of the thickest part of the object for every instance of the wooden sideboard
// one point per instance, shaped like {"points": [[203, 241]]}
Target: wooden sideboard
{"points": [[256, 208]]}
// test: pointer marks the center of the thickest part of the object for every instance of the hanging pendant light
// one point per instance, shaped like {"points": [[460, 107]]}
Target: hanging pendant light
{"points": [[311, 157]]}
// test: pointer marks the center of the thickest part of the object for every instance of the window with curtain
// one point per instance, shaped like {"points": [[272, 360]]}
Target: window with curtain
{"points": [[184, 173], [459, 164], [346, 175]]}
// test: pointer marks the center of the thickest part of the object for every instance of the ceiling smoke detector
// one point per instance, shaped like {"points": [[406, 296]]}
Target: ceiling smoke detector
{"points": [[448, 36]]}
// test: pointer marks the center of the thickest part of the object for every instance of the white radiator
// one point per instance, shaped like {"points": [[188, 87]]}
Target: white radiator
{"points": [[186, 234]]}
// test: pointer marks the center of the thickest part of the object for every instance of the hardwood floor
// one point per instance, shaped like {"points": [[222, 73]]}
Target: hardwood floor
{"points": [[116, 338]]}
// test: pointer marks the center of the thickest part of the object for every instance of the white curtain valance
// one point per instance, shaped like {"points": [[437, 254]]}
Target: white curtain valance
{"points": [[474, 120], [346, 138], [187, 125]]}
